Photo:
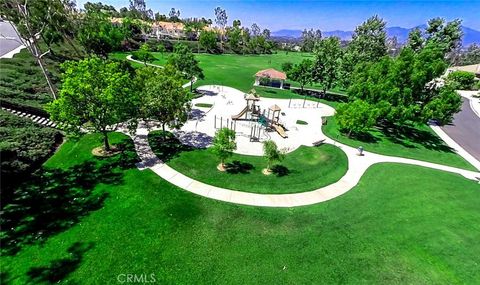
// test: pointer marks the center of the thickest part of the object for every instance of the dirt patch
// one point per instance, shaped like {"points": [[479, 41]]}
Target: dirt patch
{"points": [[100, 151]]}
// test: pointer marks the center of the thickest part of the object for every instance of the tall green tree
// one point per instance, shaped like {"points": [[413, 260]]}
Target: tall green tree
{"points": [[402, 87], [163, 97], [302, 73], [144, 54], [272, 154], [208, 40], [415, 40], [98, 35], [447, 35], [223, 145], [96, 95], [309, 39], [470, 56], [234, 36], [221, 19], [443, 106], [369, 44], [184, 60], [369, 41], [356, 117], [328, 54]]}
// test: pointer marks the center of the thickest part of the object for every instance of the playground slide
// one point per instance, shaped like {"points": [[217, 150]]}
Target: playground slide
{"points": [[280, 130], [237, 117]]}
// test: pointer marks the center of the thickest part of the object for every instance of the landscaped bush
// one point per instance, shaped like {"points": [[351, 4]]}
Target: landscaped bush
{"points": [[24, 147], [461, 80], [203, 105], [22, 82]]}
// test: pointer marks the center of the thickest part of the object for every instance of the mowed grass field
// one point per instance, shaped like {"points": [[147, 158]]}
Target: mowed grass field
{"points": [[234, 70], [304, 169], [415, 142], [419, 228]]}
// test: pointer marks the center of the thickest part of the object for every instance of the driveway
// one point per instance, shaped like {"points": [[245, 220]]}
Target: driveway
{"points": [[8, 38], [465, 130]]}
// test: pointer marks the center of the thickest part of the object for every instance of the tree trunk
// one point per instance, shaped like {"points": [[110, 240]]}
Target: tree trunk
{"points": [[164, 134], [49, 81], [191, 85], [105, 141], [31, 45]]}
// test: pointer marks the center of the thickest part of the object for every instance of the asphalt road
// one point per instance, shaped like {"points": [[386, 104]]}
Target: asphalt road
{"points": [[465, 129], [8, 38]]}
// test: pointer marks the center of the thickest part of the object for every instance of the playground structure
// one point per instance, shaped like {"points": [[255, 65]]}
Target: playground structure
{"points": [[256, 119], [270, 120], [251, 109]]}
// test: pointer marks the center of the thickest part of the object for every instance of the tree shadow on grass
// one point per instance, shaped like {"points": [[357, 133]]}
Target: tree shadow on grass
{"points": [[280, 170], [59, 269], [52, 200], [408, 136], [270, 91], [320, 95], [365, 137], [5, 278], [238, 167], [183, 210], [166, 146]]}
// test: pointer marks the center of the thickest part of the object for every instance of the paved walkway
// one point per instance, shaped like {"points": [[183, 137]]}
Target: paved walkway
{"points": [[357, 165], [129, 57], [36, 119]]}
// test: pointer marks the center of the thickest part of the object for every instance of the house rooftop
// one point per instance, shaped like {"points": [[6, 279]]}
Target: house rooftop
{"points": [[271, 73]]}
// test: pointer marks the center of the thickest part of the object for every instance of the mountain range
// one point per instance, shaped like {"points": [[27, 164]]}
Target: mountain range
{"points": [[470, 35]]}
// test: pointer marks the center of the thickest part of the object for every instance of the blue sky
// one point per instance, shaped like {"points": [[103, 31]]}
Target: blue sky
{"points": [[325, 15]]}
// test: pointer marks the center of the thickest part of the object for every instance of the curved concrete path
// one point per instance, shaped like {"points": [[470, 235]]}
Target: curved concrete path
{"points": [[357, 165], [129, 57]]}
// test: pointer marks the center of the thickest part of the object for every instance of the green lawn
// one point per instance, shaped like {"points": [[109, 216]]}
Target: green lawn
{"points": [[417, 142], [234, 70], [384, 231], [306, 168]]}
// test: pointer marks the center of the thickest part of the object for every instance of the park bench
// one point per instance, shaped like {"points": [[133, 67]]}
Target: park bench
{"points": [[319, 143]]}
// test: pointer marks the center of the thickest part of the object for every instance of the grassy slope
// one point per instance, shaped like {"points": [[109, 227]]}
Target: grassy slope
{"points": [[304, 169], [419, 143], [402, 230], [21, 80]]}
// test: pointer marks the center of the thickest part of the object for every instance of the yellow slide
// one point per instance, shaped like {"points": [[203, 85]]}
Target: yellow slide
{"points": [[280, 130], [237, 117]]}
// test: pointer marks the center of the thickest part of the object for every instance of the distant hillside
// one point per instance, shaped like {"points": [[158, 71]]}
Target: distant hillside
{"points": [[470, 35]]}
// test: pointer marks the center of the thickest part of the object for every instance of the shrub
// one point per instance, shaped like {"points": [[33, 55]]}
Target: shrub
{"points": [[461, 80], [24, 147], [203, 105]]}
